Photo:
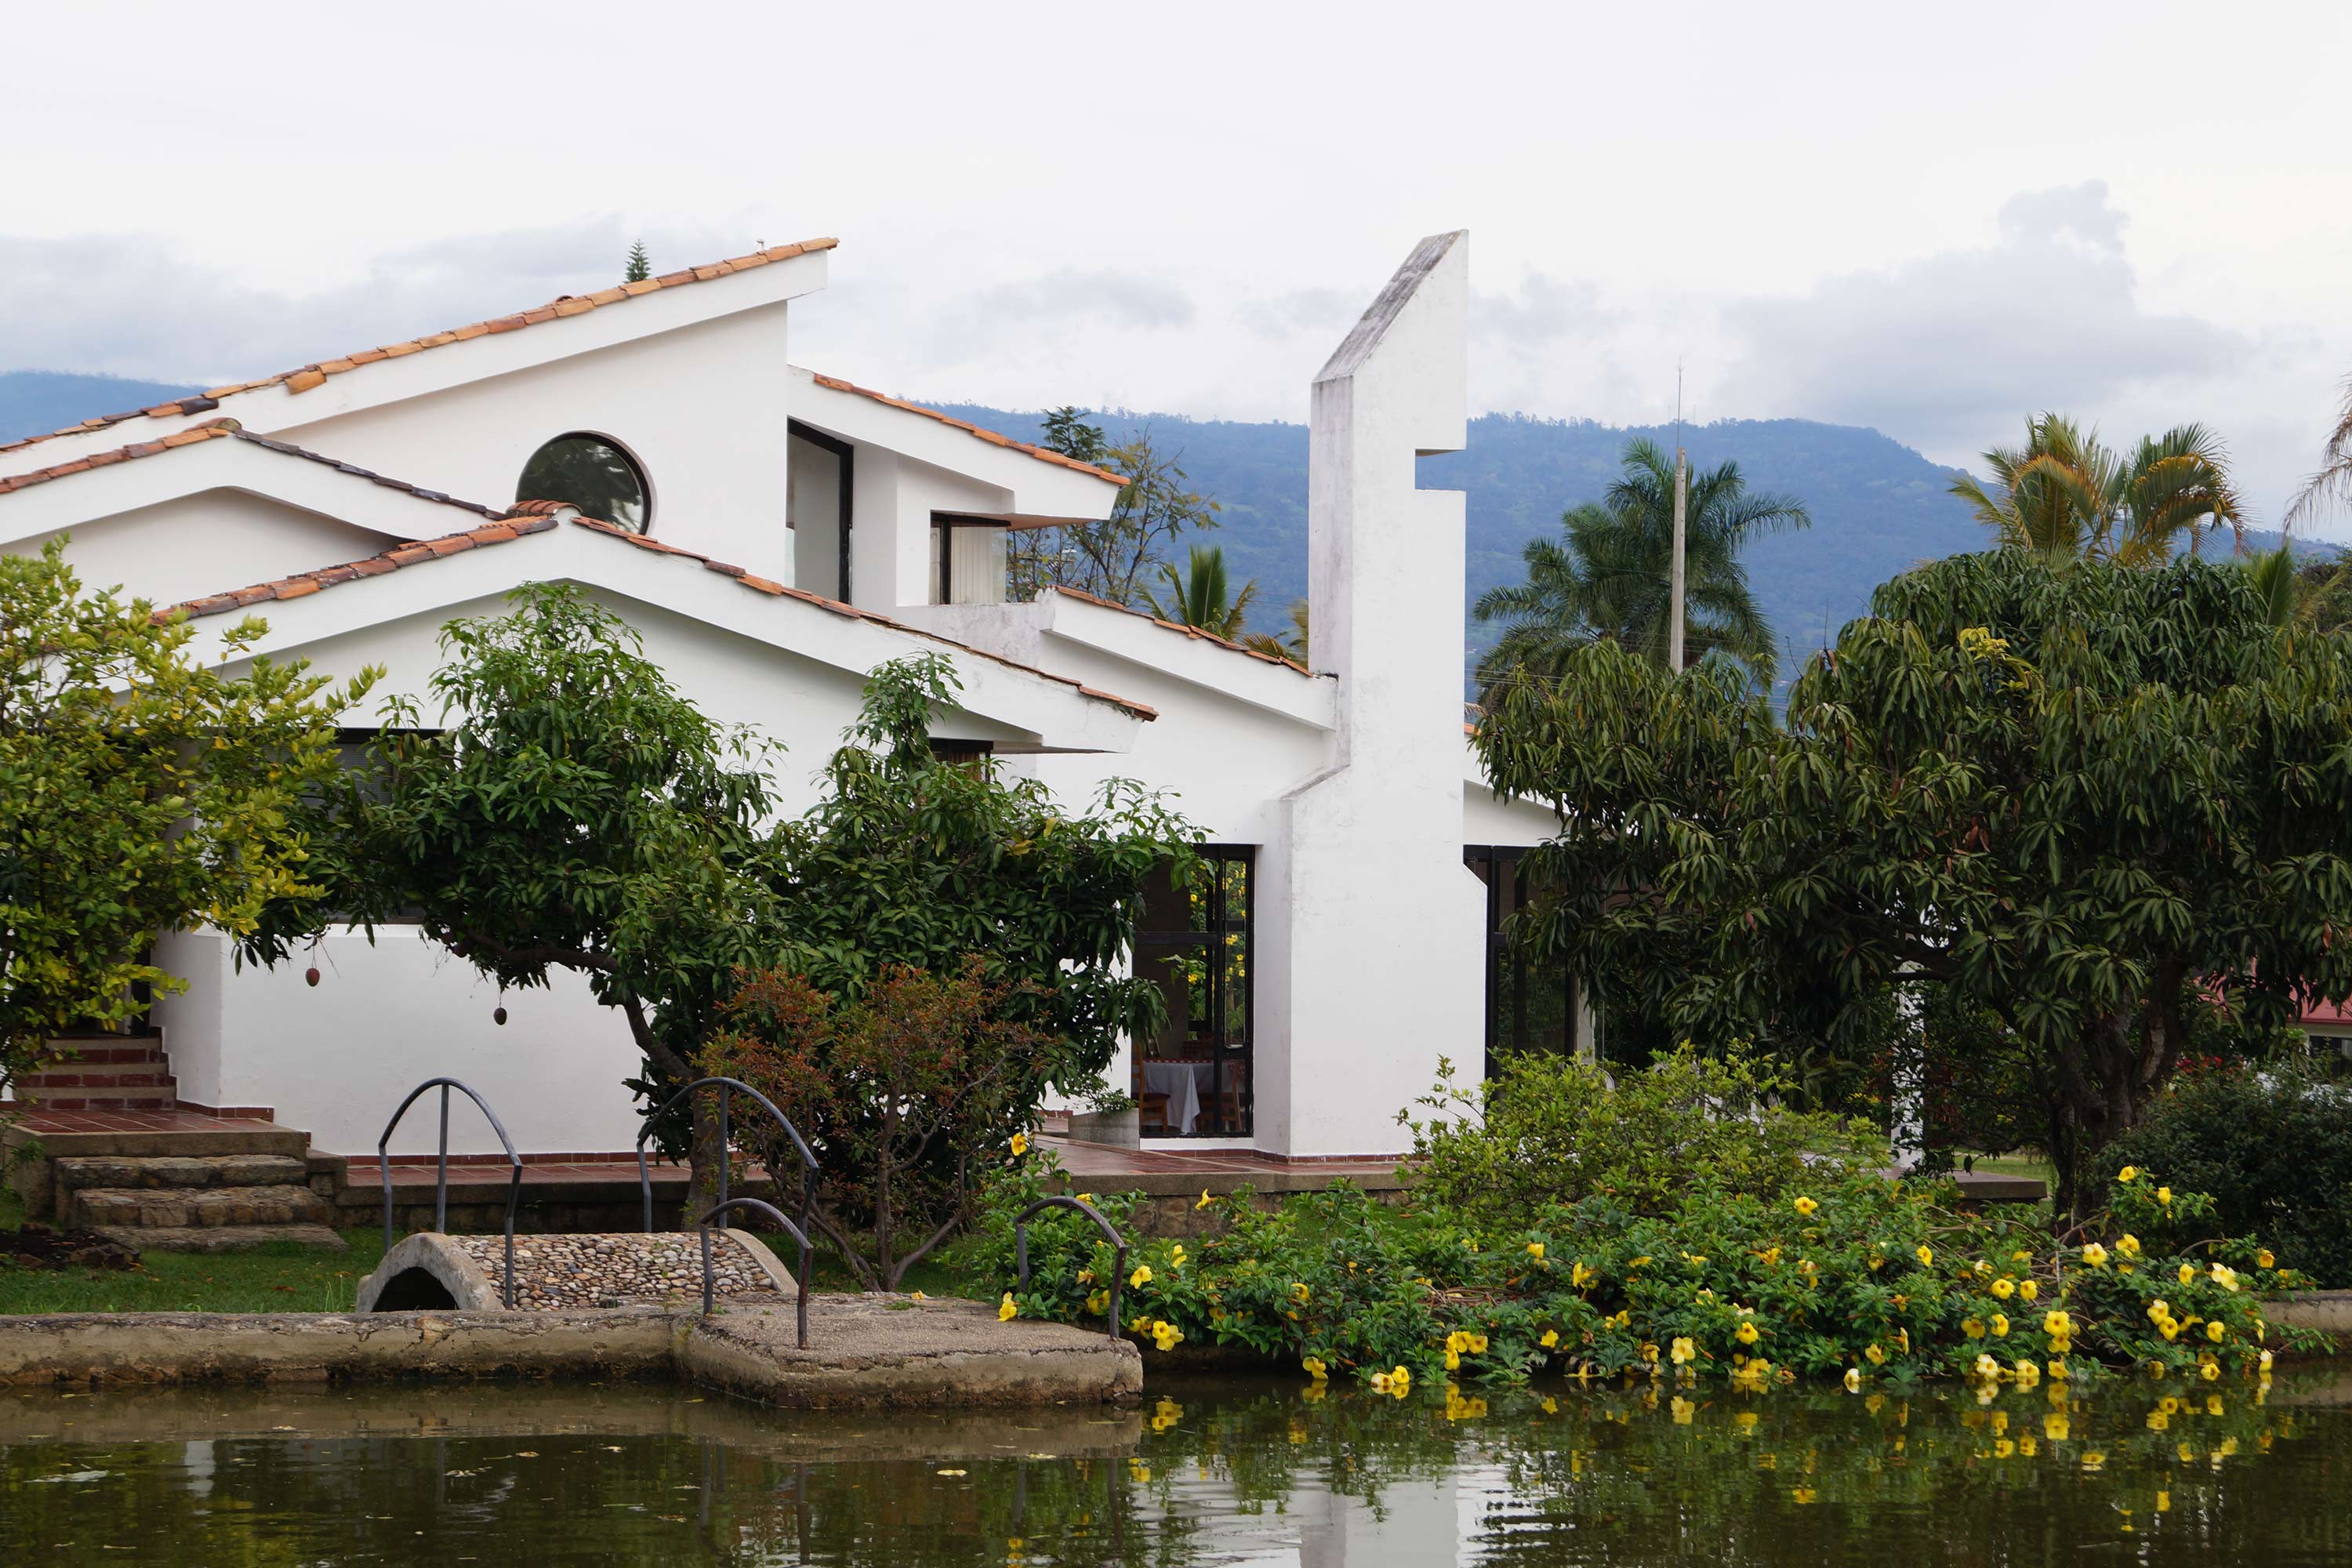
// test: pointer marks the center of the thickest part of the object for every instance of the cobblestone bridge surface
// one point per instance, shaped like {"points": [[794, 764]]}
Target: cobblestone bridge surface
{"points": [[554, 1272]]}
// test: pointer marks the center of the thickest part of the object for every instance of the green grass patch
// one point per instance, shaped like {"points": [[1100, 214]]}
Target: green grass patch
{"points": [[279, 1277]]}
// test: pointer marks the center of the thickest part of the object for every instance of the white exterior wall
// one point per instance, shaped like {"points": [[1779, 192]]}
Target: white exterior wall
{"points": [[206, 543], [1372, 963], [701, 407]]}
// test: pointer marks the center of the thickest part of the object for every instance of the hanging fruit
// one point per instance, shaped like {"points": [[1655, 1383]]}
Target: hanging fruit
{"points": [[500, 1017], [310, 975]]}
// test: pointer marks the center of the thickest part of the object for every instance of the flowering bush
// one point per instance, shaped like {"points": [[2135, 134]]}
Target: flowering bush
{"points": [[2274, 1148], [1859, 1279], [1552, 1129]]}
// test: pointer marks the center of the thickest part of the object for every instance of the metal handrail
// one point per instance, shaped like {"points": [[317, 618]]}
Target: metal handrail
{"points": [[441, 1169], [1110, 1233], [808, 1160], [702, 1230]]}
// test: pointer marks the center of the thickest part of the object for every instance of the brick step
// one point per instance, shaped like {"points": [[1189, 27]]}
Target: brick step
{"points": [[162, 1095], [126, 1053], [195, 1208], [227, 1239], [80, 1076], [149, 1171]]}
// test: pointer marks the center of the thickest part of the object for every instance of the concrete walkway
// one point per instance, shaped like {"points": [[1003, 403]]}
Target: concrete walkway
{"points": [[871, 1353]]}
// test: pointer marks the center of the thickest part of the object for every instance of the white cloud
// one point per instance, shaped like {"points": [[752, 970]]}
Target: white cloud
{"points": [[1944, 349]]}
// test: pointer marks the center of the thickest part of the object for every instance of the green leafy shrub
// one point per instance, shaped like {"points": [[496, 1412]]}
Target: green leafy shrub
{"points": [[1855, 1277], [1554, 1129], [2273, 1148]]}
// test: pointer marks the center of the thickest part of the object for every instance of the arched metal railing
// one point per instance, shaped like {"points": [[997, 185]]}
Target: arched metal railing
{"points": [[1110, 1234], [800, 1145], [702, 1230], [441, 1169]]}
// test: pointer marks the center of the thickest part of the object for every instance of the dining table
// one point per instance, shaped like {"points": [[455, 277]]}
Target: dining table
{"points": [[1185, 1081]]}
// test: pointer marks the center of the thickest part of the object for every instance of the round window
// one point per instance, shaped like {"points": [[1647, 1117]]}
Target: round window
{"points": [[592, 474]]}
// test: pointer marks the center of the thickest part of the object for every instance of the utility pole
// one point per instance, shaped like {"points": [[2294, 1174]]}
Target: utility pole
{"points": [[1682, 502]]}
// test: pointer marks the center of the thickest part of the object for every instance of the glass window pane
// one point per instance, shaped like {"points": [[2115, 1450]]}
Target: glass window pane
{"points": [[593, 475]]}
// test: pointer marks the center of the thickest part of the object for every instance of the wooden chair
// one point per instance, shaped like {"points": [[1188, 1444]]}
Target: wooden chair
{"points": [[1153, 1114]]}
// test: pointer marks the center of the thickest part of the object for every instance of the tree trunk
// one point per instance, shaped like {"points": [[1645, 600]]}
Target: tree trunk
{"points": [[705, 1151]]}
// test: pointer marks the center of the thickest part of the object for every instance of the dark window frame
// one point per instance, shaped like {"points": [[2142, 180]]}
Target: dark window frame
{"points": [[1219, 924], [1505, 866], [629, 460], [847, 505]]}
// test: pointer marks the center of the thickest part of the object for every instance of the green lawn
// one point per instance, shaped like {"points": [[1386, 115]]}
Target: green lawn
{"points": [[282, 1277], [277, 1278]]}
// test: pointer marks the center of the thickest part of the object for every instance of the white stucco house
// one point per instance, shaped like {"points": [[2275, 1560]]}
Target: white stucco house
{"points": [[774, 533]]}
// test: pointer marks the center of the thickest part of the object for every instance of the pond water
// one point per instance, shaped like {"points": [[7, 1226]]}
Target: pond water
{"points": [[1202, 1472]]}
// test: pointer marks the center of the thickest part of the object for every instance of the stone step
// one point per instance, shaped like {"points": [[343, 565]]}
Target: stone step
{"points": [[222, 1238], [251, 1137], [101, 1058], [193, 1208], [74, 1173], [110, 1048]]}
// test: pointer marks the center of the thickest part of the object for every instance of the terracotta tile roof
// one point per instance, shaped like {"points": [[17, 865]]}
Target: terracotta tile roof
{"points": [[1043, 454], [228, 429], [1195, 633], [317, 373], [541, 517], [304, 583]]}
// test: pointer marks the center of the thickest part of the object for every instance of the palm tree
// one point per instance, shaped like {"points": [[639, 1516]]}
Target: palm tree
{"points": [[1293, 645], [1199, 597], [2332, 485], [2066, 493], [1607, 576]]}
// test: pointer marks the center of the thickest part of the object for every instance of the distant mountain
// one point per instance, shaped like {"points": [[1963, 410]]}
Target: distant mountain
{"points": [[36, 401], [1877, 506]]}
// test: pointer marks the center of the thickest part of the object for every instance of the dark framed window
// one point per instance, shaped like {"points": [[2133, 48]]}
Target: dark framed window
{"points": [[1530, 1003], [1194, 1079], [968, 559], [594, 473]]}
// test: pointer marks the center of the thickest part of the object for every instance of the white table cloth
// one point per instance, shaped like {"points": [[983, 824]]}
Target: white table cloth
{"points": [[1183, 1083]]}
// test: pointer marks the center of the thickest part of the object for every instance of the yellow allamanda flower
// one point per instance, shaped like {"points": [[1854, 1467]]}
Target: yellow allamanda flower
{"points": [[2188, 1272], [1853, 1378], [2027, 1290], [2216, 1332], [2128, 1174], [1579, 1276], [2004, 1287], [1874, 1356], [1551, 1340], [1746, 1334], [2264, 1259], [1685, 1352], [1140, 1278], [2224, 1276], [2095, 1256], [1925, 1254], [1805, 1207], [1999, 1327], [1299, 1289], [1205, 1199], [1019, 1145], [1006, 1310], [2129, 1245], [1314, 1368], [1973, 1327], [1535, 1250]]}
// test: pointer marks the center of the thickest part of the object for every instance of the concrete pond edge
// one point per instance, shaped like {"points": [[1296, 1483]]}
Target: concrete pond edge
{"points": [[886, 1352]]}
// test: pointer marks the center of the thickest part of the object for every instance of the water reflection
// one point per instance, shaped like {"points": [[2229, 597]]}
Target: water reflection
{"points": [[1203, 1472]]}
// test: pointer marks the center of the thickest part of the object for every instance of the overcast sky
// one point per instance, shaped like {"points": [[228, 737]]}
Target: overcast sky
{"points": [[1928, 219]]}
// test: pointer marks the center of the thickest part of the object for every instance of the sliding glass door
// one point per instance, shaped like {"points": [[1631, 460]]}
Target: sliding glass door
{"points": [[1193, 1079]]}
